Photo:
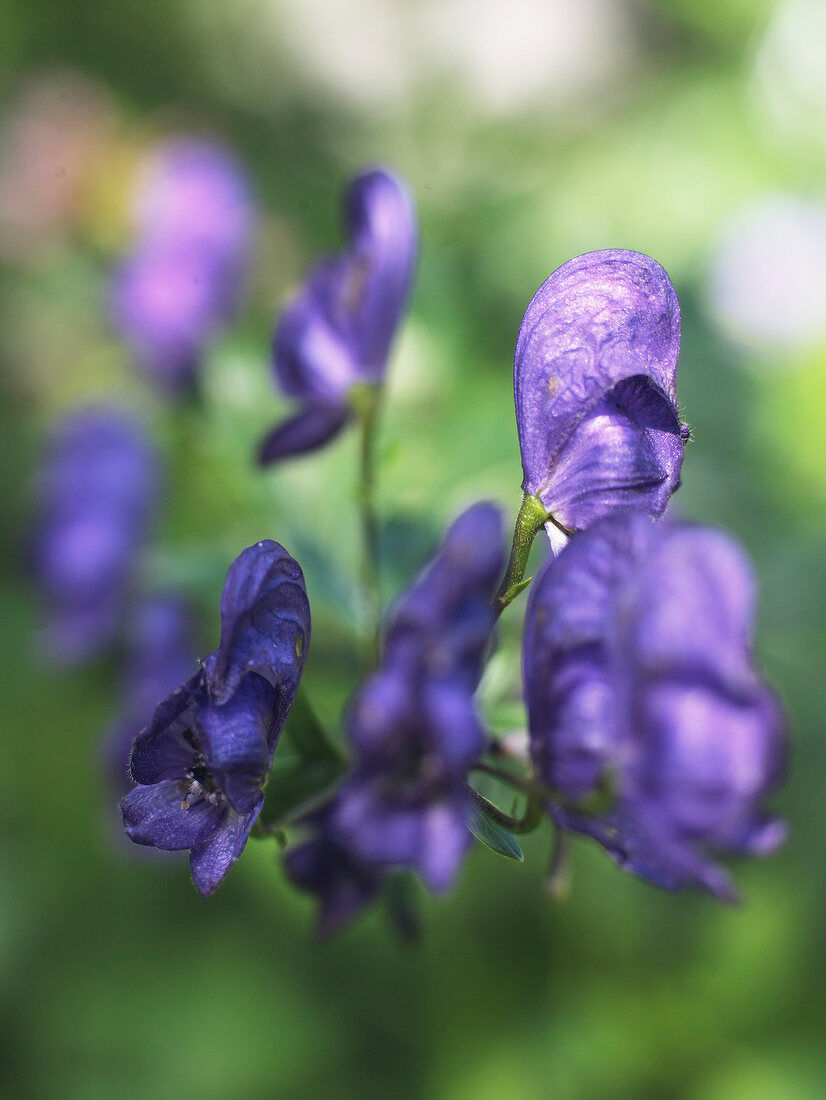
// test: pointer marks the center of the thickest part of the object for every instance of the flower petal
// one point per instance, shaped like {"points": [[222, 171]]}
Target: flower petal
{"points": [[159, 815], [212, 857], [306, 431], [162, 751], [625, 453], [236, 739], [265, 625]]}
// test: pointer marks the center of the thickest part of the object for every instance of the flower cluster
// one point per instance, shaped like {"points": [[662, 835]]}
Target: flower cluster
{"points": [[414, 732], [181, 282], [639, 674], [95, 499], [650, 728]]}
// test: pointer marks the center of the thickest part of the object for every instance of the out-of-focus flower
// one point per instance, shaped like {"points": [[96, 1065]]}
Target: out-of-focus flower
{"points": [[161, 654], [338, 330], [202, 761], [326, 868], [767, 285], [595, 374], [181, 283], [414, 732], [53, 134], [96, 494], [639, 675]]}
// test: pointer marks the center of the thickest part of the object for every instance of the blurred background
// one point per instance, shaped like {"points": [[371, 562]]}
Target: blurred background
{"points": [[529, 131]]}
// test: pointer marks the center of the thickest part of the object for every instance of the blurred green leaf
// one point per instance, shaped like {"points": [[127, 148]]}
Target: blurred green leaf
{"points": [[493, 835]]}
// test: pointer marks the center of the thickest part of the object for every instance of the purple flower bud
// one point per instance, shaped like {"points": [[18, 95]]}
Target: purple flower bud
{"points": [[96, 493], [181, 283], [202, 761], [338, 330], [413, 726], [595, 388], [638, 671]]}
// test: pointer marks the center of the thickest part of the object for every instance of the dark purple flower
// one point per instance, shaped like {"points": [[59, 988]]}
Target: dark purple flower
{"points": [[595, 389], [413, 726], [202, 761], [161, 654], [639, 674], [338, 330], [96, 493], [181, 282], [326, 868]]}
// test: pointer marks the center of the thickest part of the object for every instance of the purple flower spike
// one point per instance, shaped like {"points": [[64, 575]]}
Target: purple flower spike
{"points": [[639, 673], [338, 330], [201, 763], [413, 726], [595, 389], [181, 283], [96, 495]]}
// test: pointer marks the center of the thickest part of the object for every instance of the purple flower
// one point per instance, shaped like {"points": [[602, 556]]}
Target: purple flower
{"points": [[181, 282], [639, 674], [96, 493], [161, 655], [326, 868], [338, 330], [595, 389], [413, 726], [202, 761]]}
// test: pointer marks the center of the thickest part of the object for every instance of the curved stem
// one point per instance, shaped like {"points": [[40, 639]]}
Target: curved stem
{"points": [[596, 803], [526, 824], [531, 518]]}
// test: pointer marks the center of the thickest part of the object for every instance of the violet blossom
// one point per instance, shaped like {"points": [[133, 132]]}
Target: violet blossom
{"points": [[639, 677], [337, 331], [595, 389], [202, 761], [96, 493], [181, 282], [414, 732]]}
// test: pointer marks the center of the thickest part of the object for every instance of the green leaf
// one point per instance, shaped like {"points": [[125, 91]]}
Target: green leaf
{"points": [[492, 834], [515, 590]]}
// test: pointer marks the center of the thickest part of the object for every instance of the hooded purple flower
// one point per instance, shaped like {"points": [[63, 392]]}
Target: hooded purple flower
{"points": [[96, 492], [202, 761], [337, 332], [413, 726], [161, 655], [595, 389], [181, 282], [638, 671]]}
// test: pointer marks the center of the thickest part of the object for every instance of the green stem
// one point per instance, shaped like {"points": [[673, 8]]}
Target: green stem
{"points": [[365, 400], [531, 518], [598, 802]]}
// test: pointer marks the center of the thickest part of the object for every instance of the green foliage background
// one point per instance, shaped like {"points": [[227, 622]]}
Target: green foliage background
{"points": [[117, 979]]}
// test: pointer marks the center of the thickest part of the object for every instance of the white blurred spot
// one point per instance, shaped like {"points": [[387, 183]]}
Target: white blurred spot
{"points": [[767, 284]]}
